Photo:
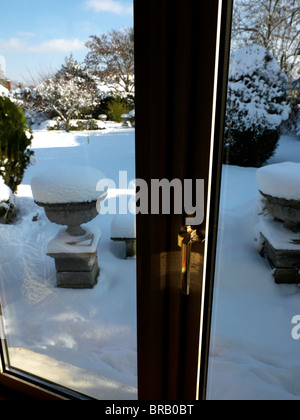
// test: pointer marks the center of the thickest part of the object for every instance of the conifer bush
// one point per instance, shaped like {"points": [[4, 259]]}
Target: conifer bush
{"points": [[116, 108], [256, 107], [15, 139]]}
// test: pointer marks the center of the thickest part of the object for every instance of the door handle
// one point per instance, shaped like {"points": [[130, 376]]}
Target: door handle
{"points": [[186, 238]]}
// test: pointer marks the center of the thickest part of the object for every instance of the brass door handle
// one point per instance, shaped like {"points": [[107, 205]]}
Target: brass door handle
{"points": [[186, 238]]}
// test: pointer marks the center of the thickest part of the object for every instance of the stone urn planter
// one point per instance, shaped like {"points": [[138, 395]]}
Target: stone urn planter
{"points": [[72, 215], [287, 211], [126, 120], [279, 187], [102, 117], [69, 196]]}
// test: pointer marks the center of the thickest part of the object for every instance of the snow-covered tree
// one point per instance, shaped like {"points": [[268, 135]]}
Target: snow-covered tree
{"points": [[256, 106], [272, 24], [70, 93], [73, 70]]}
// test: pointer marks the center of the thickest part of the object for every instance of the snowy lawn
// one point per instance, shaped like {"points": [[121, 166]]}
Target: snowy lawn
{"points": [[253, 354], [86, 339], [61, 334]]}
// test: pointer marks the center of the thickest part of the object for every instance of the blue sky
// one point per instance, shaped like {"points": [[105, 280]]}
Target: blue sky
{"points": [[36, 35]]}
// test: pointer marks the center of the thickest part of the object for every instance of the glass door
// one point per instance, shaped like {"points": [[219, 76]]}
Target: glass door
{"points": [[67, 236], [253, 294]]}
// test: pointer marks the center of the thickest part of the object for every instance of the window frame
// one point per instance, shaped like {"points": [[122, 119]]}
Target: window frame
{"points": [[213, 211], [184, 374]]}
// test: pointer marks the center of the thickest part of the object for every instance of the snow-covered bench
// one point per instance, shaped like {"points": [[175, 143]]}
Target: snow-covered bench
{"points": [[123, 228]]}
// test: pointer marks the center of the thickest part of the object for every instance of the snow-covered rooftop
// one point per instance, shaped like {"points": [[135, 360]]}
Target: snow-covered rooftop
{"points": [[3, 90]]}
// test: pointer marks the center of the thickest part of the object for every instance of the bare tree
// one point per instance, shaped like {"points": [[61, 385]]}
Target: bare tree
{"points": [[38, 76], [272, 24], [111, 56]]}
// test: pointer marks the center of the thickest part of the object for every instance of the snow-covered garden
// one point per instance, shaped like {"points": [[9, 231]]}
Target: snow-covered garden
{"points": [[253, 354], [86, 339], [83, 339]]}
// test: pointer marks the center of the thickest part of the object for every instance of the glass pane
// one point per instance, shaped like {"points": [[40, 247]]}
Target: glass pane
{"points": [[254, 352], [67, 237]]}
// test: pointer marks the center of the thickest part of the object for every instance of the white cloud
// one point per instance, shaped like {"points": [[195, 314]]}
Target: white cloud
{"points": [[12, 44], [26, 35], [58, 45], [17, 43], [112, 6], [23, 44]]}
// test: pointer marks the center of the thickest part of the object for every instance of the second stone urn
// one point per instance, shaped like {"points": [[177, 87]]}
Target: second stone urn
{"points": [[279, 225], [69, 197]]}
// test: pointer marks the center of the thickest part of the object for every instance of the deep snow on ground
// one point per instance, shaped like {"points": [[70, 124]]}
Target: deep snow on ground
{"points": [[86, 339], [253, 355], [93, 330]]}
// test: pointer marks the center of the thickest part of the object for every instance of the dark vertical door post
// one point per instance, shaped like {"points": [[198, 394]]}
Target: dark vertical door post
{"points": [[175, 50]]}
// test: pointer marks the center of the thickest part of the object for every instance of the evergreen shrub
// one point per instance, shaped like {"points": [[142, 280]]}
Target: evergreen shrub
{"points": [[114, 107], [256, 107], [15, 139]]}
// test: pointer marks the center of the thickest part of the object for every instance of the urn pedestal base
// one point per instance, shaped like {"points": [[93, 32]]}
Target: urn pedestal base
{"points": [[282, 249], [76, 258]]}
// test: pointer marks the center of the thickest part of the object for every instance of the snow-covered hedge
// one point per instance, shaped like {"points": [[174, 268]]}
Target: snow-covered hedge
{"points": [[256, 106], [6, 199], [15, 141]]}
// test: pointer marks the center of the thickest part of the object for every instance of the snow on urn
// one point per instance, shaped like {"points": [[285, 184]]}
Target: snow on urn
{"points": [[126, 120], [280, 186], [102, 117], [279, 226], [69, 196]]}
